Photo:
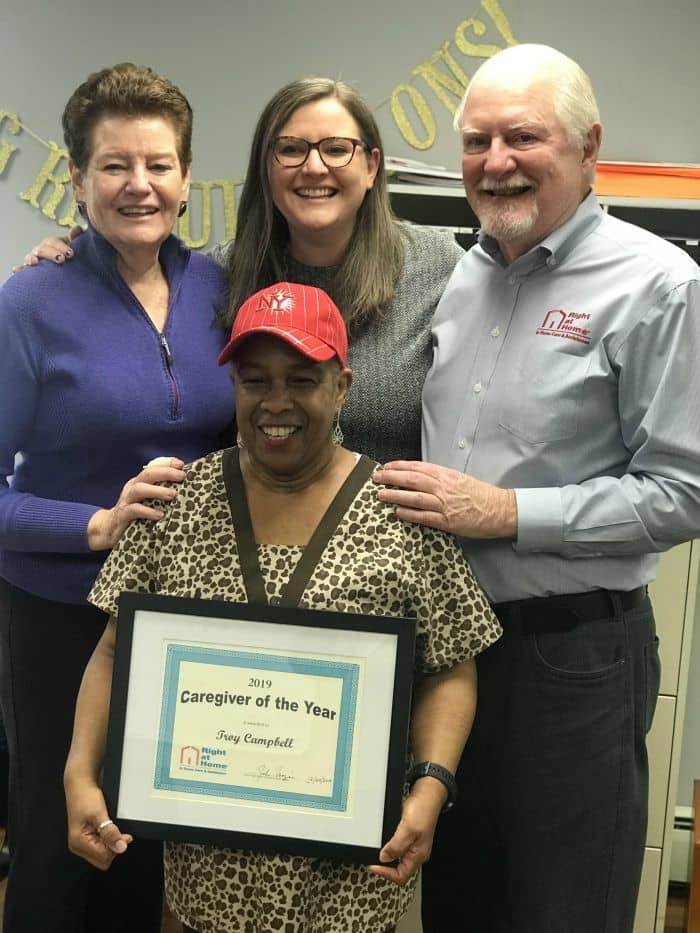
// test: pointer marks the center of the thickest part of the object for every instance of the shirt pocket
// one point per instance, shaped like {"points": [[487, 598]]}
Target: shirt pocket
{"points": [[544, 395]]}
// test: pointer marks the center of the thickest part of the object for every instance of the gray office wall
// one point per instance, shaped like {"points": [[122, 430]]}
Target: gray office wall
{"points": [[229, 58]]}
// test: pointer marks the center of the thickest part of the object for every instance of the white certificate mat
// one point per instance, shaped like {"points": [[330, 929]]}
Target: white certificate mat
{"points": [[259, 727]]}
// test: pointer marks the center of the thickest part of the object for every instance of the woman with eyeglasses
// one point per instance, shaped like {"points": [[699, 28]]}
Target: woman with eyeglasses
{"points": [[315, 210]]}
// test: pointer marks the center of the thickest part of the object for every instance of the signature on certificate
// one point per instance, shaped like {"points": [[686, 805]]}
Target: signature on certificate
{"points": [[271, 774], [313, 779]]}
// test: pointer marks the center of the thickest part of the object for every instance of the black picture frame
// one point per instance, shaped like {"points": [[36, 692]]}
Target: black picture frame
{"points": [[365, 663]]}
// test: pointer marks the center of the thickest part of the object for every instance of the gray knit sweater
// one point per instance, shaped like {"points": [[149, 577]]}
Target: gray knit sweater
{"points": [[391, 353]]}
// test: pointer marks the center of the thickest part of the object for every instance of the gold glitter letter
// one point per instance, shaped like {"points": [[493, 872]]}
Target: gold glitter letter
{"points": [[474, 49], [423, 112], [499, 20], [438, 80], [71, 218], [48, 176], [6, 149], [228, 189]]}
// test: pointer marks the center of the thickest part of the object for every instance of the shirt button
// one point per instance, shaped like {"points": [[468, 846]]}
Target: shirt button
{"points": [[496, 332], [462, 444], [477, 387]]}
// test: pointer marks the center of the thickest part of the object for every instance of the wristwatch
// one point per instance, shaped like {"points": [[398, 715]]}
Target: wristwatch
{"points": [[430, 769]]}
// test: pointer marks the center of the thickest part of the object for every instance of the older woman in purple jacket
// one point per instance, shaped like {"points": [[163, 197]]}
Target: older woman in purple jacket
{"points": [[107, 364]]}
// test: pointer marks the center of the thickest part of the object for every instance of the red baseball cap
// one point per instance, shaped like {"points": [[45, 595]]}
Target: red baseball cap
{"points": [[303, 316]]}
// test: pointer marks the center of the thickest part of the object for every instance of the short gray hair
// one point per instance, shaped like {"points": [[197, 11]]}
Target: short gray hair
{"points": [[573, 98]]}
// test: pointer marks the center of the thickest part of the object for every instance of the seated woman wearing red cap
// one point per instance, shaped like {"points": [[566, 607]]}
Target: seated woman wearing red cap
{"points": [[285, 480]]}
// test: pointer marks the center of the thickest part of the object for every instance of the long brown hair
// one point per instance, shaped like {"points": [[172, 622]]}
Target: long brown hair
{"points": [[365, 280]]}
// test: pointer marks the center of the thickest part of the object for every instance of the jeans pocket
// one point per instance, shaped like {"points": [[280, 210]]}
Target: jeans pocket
{"points": [[588, 650], [652, 673]]}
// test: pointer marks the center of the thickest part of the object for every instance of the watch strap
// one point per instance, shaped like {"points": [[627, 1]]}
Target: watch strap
{"points": [[430, 769]]}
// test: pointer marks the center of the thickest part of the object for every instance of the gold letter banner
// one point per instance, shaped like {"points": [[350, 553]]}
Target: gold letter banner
{"points": [[410, 108]]}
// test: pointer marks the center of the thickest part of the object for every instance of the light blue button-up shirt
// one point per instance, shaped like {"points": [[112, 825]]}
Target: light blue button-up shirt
{"points": [[573, 376]]}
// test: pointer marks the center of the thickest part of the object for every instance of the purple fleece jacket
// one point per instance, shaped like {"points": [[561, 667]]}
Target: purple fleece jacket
{"points": [[89, 392]]}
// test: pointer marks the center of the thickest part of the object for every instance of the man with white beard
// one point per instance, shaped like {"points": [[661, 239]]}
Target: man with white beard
{"points": [[562, 425]]}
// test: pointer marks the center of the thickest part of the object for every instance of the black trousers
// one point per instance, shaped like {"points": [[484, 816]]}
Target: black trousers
{"points": [[548, 833], [44, 647], [4, 774]]}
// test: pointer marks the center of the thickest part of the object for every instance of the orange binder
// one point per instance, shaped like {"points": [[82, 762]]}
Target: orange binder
{"points": [[647, 180]]}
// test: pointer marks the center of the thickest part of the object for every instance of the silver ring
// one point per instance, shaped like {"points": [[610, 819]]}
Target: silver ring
{"points": [[103, 824]]}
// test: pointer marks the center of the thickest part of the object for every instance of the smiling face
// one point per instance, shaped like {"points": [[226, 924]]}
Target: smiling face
{"points": [[133, 183], [522, 176], [320, 204], [285, 408]]}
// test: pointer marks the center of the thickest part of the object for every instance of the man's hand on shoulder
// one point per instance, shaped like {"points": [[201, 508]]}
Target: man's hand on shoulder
{"points": [[449, 500]]}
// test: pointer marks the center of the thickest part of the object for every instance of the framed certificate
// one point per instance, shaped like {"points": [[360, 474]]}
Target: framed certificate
{"points": [[258, 727]]}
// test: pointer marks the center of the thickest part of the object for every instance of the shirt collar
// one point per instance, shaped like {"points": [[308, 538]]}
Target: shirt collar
{"points": [[556, 246], [173, 254]]}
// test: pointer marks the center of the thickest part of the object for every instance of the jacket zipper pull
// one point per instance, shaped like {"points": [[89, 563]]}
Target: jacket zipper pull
{"points": [[166, 350]]}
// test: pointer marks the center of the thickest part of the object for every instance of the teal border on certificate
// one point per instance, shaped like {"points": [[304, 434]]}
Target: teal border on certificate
{"points": [[347, 672]]}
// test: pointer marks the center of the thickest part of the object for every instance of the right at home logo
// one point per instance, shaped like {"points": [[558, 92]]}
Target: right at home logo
{"points": [[204, 759], [190, 755], [559, 323]]}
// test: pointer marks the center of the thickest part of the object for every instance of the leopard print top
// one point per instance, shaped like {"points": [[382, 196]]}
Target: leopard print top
{"points": [[373, 564]]}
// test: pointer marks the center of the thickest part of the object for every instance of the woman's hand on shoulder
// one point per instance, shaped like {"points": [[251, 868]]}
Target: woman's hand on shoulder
{"points": [[107, 526], [91, 833], [54, 248], [412, 842]]}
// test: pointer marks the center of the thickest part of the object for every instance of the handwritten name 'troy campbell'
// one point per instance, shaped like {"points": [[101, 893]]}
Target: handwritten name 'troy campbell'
{"points": [[249, 739]]}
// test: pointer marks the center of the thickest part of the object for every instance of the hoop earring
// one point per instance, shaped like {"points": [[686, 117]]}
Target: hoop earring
{"points": [[182, 208], [82, 209], [337, 436]]}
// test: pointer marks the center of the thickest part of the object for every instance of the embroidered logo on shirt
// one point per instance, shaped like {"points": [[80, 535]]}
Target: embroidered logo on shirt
{"points": [[276, 301], [570, 324]]}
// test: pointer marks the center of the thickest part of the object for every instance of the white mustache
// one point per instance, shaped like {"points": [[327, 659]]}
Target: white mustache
{"points": [[498, 186]]}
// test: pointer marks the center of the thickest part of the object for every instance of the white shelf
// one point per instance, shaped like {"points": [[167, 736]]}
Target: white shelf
{"points": [[439, 191], [431, 191], [678, 204]]}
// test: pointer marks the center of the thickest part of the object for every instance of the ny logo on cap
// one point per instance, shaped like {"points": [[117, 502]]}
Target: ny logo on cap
{"points": [[280, 299]]}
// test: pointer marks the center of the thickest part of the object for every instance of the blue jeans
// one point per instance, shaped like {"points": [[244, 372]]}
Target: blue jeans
{"points": [[548, 833]]}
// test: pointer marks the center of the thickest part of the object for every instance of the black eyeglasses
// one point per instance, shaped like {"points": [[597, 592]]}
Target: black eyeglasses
{"points": [[335, 151]]}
